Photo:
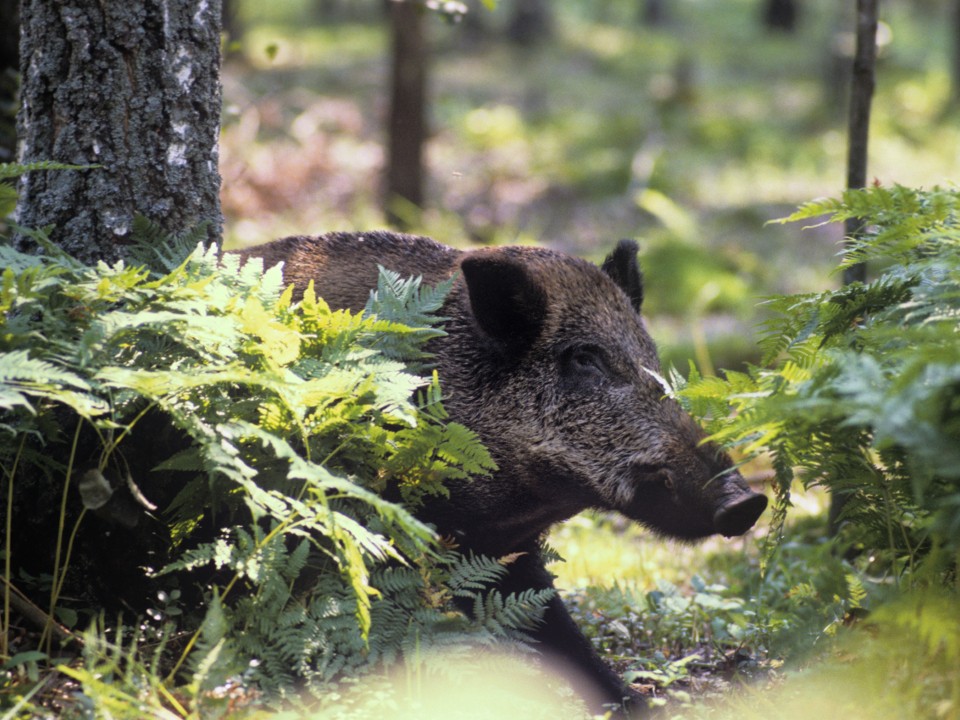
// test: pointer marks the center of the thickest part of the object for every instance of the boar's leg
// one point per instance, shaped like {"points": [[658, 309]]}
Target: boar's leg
{"points": [[566, 648]]}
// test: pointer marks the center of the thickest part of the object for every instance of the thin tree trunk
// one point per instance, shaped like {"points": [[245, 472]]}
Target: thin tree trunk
{"points": [[530, 22], [474, 27], [9, 74], [232, 27], [654, 13], [862, 85], [407, 124], [955, 69], [134, 87], [780, 15]]}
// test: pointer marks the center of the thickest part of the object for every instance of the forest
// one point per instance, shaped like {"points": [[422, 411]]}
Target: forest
{"points": [[213, 485]]}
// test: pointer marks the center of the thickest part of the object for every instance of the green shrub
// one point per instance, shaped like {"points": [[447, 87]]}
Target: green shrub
{"points": [[860, 391], [293, 419]]}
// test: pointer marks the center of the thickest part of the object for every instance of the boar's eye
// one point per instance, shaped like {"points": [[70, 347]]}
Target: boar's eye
{"points": [[584, 365]]}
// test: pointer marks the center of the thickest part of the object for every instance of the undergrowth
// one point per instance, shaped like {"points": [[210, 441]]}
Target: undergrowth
{"points": [[859, 393], [860, 387], [213, 463], [307, 437]]}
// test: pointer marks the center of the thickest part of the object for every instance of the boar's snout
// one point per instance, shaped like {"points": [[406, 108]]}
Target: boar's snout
{"points": [[740, 514]]}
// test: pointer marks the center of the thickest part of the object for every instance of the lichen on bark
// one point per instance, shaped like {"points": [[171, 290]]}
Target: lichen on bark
{"points": [[133, 87]]}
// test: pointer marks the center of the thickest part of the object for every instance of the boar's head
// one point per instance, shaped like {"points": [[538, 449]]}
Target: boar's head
{"points": [[549, 361]]}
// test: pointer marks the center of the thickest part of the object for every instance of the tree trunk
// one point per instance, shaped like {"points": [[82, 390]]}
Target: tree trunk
{"points": [[134, 87], [862, 85], [780, 15], [9, 75], [407, 124], [232, 27], [955, 68], [474, 27], [654, 13], [530, 23]]}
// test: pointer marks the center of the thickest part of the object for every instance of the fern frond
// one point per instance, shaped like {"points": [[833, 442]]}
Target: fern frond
{"points": [[291, 417], [12, 170], [474, 573], [23, 379], [162, 252], [815, 209]]}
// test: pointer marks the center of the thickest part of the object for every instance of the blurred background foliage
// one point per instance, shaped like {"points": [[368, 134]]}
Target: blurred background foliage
{"points": [[689, 133]]}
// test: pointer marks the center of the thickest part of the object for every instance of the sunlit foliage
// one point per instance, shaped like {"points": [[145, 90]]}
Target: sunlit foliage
{"points": [[295, 420], [860, 390]]}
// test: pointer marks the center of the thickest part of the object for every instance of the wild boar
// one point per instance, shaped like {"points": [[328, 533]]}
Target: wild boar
{"points": [[548, 360]]}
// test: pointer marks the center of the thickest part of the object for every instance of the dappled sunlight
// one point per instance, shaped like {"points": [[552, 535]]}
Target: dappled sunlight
{"points": [[544, 145], [605, 550]]}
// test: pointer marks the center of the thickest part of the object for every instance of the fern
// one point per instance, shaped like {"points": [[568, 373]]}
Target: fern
{"points": [[23, 379], [289, 418], [12, 170], [860, 388], [511, 615], [474, 573], [154, 248], [8, 171], [408, 316]]}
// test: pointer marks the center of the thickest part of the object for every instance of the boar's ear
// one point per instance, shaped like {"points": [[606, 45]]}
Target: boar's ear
{"points": [[622, 267], [507, 301]]}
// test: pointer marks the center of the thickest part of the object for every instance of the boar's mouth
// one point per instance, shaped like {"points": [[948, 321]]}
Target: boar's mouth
{"points": [[738, 516]]}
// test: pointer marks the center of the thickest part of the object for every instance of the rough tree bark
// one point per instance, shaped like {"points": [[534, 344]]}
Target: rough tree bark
{"points": [[134, 87], [407, 122]]}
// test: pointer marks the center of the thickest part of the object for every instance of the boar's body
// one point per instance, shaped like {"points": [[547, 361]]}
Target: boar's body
{"points": [[547, 359]]}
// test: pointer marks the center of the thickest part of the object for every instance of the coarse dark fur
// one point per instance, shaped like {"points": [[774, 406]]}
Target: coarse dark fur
{"points": [[548, 360]]}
